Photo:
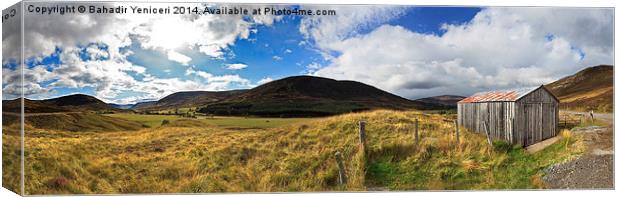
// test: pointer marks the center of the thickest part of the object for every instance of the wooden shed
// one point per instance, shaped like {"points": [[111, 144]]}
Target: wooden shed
{"points": [[519, 116]]}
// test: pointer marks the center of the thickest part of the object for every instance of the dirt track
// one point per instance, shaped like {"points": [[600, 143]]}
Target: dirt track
{"points": [[594, 169]]}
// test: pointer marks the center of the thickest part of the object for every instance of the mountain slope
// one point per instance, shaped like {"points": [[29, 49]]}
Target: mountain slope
{"points": [[588, 89], [308, 96], [143, 105], [78, 102], [69, 103], [188, 99], [443, 100]]}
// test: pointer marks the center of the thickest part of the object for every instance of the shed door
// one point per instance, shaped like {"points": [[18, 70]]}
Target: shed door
{"points": [[539, 122], [533, 123], [549, 120]]}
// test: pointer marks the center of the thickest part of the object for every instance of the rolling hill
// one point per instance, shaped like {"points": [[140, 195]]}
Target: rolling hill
{"points": [[74, 122], [78, 102], [448, 101], [69, 103], [77, 112], [589, 89], [187, 99], [143, 105], [30, 106], [309, 96]]}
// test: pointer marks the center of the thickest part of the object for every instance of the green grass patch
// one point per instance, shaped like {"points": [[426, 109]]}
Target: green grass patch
{"points": [[502, 167]]}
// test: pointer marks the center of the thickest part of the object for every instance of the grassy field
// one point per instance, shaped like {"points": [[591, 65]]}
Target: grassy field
{"points": [[11, 154], [148, 120], [203, 155], [219, 121]]}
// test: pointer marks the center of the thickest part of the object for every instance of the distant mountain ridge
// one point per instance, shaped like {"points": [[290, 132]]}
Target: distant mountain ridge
{"points": [[187, 99], [589, 89], [68, 103], [121, 106], [143, 105], [309, 96], [449, 101], [287, 97]]}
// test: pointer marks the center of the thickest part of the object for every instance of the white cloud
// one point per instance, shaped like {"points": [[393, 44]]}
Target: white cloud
{"points": [[264, 81], [349, 21], [313, 67], [94, 52], [44, 33], [227, 78], [13, 89], [266, 19], [199, 73], [237, 66], [178, 57], [212, 50], [219, 82], [211, 34], [499, 48], [276, 58], [288, 51], [107, 77]]}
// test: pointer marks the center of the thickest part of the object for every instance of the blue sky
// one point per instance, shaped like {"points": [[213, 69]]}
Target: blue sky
{"points": [[410, 51]]}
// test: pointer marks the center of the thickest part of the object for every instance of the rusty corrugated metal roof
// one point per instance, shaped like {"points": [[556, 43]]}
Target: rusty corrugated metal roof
{"points": [[498, 95]]}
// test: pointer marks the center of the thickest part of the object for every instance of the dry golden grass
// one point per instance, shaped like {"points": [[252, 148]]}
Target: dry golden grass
{"points": [[597, 99], [11, 154], [584, 96], [295, 157]]}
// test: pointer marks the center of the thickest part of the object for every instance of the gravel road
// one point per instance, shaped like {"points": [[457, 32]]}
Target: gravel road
{"points": [[595, 168]]}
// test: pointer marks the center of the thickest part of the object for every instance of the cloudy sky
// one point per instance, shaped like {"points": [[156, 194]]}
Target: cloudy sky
{"points": [[413, 52]]}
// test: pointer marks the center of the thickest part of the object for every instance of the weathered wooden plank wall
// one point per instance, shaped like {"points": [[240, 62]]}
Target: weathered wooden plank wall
{"points": [[499, 116]]}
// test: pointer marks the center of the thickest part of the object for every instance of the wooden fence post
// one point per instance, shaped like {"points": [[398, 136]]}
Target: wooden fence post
{"points": [[417, 137], [341, 173], [362, 133], [486, 130], [456, 126], [565, 121]]}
